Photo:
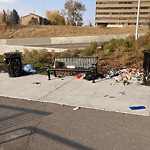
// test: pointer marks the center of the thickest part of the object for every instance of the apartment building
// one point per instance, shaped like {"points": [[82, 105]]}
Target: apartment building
{"points": [[122, 12]]}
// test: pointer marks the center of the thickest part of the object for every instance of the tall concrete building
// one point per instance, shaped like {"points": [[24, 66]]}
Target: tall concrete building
{"points": [[122, 12]]}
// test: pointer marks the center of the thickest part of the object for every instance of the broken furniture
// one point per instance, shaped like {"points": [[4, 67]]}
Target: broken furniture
{"points": [[146, 67], [74, 64]]}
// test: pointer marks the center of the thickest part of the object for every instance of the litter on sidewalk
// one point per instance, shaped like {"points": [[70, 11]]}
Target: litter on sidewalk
{"points": [[137, 107], [125, 76], [36, 82], [29, 69], [76, 108], [78, 76], [122, 93], [111, 96]]}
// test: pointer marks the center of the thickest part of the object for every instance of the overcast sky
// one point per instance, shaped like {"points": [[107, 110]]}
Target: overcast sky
{"points": [[25, 7]]}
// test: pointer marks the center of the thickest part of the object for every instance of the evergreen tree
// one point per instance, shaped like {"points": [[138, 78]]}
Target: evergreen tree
{"points": [[4, 16], [14, 18], [11, 18]]}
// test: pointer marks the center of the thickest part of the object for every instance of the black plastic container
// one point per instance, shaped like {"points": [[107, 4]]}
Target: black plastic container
{"points": [[146, 67], [14, 64]]}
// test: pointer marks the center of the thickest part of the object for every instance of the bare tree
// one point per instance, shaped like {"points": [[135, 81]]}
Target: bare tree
{"points": [[73, 11], [2, 22]]}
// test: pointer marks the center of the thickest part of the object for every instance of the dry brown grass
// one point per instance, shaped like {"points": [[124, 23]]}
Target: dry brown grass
{"points": [[63, 31]]}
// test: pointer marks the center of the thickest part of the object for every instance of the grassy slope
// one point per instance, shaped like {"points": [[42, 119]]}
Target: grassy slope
{"points": [[62, 31], [65, 31]]}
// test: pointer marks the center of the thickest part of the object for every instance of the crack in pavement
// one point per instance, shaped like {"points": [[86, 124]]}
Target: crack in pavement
{"points": [[34, 131]]}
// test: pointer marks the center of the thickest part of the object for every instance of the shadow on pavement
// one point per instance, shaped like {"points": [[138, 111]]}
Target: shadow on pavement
{"points": [[33, 130], [12, 116]]}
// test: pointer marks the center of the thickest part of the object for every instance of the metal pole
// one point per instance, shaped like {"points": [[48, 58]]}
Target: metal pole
{"points": [[137, 22], [43, 14]]}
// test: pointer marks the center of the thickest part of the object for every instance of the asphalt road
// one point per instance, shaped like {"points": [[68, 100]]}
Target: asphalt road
{"points": [[30, 125], [68, 46]]}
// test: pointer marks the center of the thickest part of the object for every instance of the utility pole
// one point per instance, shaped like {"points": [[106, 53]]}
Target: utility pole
{"points": [[137, 22], [43, 14]]}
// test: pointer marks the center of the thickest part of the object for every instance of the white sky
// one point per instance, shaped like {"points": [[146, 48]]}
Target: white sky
{"points": [[7, 1]]}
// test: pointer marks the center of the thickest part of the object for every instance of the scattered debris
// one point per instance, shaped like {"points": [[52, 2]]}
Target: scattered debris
{"points": [[29, 69], [112, 84], [1, 71], [60, 76], [122, 93], [36, 82], [106, 95], [137, 107], [112, 73], [125, 75], [111, 96], [125, 81], [76, 108], [78, 76]]}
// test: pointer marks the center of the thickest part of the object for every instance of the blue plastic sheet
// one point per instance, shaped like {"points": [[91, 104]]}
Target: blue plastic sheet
{"points": [[29, 69], [137, 107]]}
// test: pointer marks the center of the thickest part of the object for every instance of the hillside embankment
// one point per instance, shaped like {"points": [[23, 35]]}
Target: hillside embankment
{"points": [[63, 31]]}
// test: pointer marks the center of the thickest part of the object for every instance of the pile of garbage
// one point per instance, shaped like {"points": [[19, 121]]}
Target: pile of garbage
{"points": [[125, 76], [1, 71]]}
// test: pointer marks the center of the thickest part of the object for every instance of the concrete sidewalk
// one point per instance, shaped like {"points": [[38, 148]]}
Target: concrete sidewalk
{"points": [[103, 95]]}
